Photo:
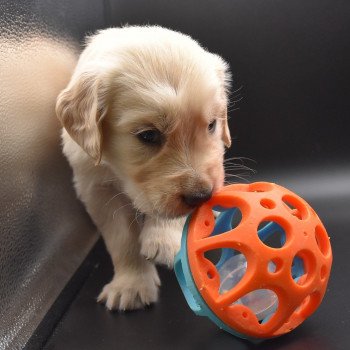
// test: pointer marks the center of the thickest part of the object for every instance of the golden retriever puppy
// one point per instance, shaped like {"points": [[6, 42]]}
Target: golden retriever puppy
{"points": [[145, 128]]}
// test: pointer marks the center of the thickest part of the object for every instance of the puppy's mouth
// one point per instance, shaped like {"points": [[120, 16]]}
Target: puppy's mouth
{"points": [[177, 205], [176, 211], [178, 202]]}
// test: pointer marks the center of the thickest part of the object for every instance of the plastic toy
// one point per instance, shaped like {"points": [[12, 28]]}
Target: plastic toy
{"points": [[255, 259]]}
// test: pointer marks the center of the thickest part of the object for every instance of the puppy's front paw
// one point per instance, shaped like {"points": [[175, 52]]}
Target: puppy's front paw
{"points": [[130, 290], [160, 247]]}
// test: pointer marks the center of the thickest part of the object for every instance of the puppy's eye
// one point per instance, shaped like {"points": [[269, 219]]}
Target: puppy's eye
{"points": [[212, 126], [151, 137]]}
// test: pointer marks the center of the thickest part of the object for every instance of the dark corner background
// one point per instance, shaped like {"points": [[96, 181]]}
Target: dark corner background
{"points": [[289, 118]]}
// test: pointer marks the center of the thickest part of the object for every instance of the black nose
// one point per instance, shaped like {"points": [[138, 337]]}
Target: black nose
{"points": [[197, 198]]}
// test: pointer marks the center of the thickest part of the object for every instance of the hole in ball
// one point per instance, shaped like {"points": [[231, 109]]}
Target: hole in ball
{"points": [[272, 234], [268, 203]]}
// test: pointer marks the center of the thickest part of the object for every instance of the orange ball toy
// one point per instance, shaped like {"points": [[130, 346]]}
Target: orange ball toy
{"points": [[255, 259]]}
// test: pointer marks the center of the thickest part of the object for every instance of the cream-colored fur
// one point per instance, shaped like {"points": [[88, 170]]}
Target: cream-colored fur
{"points": [[145, 124]]}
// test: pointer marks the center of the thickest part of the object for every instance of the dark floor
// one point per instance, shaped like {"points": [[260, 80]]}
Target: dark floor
{"points": [[170, 324]]}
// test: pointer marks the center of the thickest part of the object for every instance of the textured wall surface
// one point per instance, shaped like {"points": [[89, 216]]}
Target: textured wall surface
{"points": [[44, 231]]}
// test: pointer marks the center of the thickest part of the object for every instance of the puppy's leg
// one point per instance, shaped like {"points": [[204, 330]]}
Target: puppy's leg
{"points": [[135, 282], [161, 239]]}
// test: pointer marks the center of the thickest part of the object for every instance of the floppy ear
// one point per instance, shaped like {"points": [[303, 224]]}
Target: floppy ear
{"points": [[226, 136], [81, 108], [224, 75]]}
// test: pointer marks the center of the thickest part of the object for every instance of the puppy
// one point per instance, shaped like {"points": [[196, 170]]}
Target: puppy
{"points": [[144, 121]]}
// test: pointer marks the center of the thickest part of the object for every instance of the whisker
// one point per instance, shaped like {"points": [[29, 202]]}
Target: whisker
{"points": [[239, 89], [236, 165], [238, 168], [138, 214], [237, 176], [117, 210], [240, 159], [238, 100], [113, 197], [111, 180], [230, 166]]}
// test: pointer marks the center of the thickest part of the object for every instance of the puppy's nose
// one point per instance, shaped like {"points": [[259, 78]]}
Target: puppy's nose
{"points": [[197, 198]]}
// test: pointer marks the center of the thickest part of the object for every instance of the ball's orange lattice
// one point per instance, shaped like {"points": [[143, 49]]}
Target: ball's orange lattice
{"points": [[305, 236]]}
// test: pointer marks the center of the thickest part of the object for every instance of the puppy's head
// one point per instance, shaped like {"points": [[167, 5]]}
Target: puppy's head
{"points": [[152, 105]]}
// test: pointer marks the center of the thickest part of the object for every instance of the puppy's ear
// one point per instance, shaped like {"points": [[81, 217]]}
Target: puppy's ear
{"points": [[224, 75], [81, 108], [226, 136]]}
